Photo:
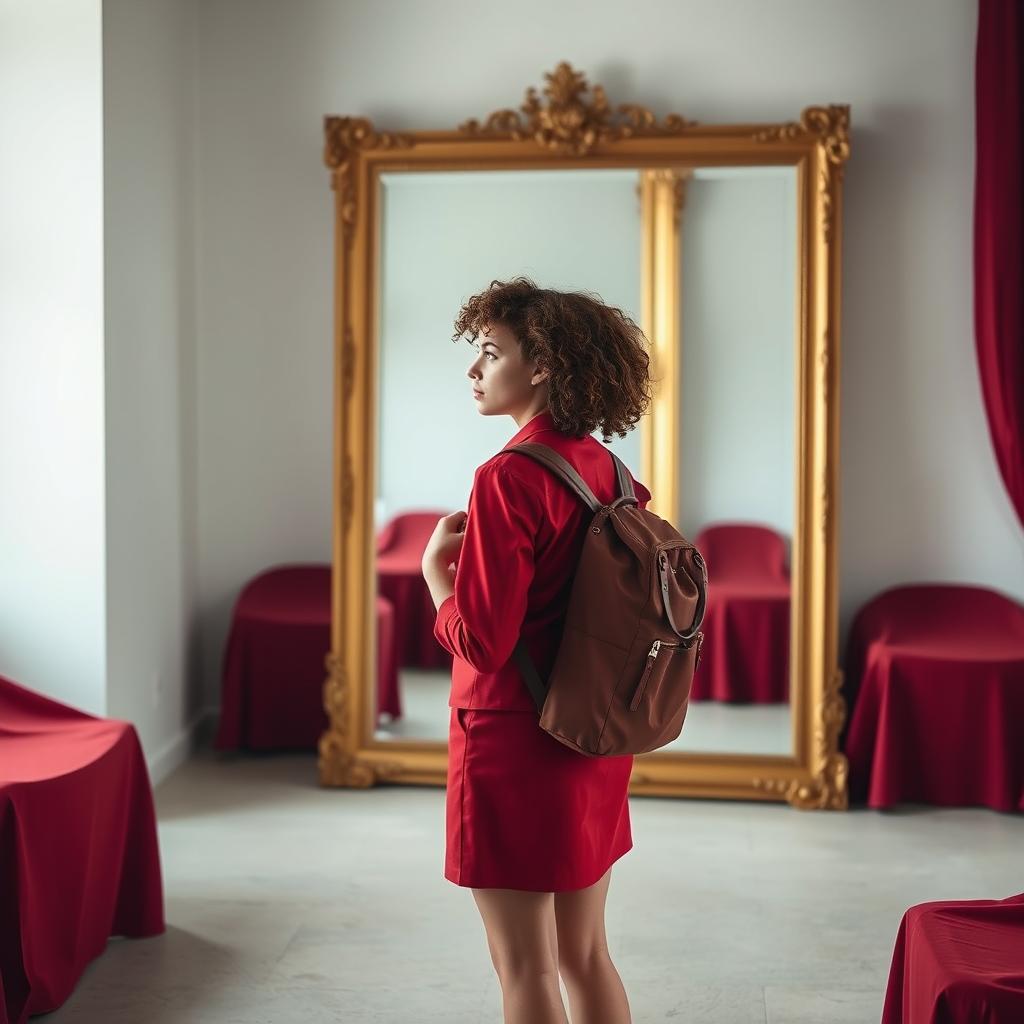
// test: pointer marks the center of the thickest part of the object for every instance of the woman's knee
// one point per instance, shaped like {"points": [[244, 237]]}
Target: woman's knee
{"points": [[513, 963], [579, 962], [579, 918]]}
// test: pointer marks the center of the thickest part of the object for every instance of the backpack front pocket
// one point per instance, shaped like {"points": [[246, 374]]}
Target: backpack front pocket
{"points": [[654, 669]]}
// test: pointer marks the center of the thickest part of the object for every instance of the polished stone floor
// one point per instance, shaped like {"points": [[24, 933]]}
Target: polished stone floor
{"points": [[287, 902]]}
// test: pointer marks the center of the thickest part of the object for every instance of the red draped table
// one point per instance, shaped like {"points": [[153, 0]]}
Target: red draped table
{"points": [[79, 856], [958, 962], [935, 680], [273, 668]]}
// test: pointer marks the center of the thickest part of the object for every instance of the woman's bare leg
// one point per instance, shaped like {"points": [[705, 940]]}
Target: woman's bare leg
{"points": [[522, 942], [596, 994]]}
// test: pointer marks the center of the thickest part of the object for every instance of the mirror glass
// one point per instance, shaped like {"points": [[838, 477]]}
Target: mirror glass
{"points": [[443, 236]]}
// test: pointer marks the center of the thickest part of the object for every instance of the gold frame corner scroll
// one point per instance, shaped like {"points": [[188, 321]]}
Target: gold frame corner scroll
{"points": [[573, 126]]}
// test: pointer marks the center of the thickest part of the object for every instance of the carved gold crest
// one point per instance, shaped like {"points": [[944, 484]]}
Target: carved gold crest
{"points": [[569, 122]]}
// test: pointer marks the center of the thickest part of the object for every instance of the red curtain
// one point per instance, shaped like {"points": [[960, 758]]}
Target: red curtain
{"points": [[998, 236]]}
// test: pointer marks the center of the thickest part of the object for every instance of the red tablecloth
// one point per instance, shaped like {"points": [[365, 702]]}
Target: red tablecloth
{"points": [[273, 668], [79, 857], [934, 675], [400, 546], [958, 962], [745, 657], [389, 697]]}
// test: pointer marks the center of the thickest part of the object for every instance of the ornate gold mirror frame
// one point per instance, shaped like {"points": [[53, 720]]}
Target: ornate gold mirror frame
{"points": [[570, 130]]}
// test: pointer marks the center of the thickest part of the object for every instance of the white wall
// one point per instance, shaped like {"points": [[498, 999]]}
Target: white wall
{"points": [[919, 481], [97, 337], [149, 51], [52, 528]]}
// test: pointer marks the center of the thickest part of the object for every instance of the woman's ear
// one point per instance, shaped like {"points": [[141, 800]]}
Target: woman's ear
{"points": [[543, 377]]}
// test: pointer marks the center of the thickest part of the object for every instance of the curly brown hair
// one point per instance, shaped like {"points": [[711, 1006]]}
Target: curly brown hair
{"points": [[596, 356]]}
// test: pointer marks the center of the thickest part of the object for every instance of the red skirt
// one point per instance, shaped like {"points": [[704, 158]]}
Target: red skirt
{"points": [[524, 811]]}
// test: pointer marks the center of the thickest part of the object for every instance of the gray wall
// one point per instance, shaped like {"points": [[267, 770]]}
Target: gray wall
{"points": [[149, 102]]}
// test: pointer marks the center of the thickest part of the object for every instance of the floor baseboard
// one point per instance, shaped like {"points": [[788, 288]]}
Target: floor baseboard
{"points": [[176, 751]]}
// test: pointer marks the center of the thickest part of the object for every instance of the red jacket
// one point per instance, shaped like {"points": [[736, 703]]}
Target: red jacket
{"points": [[524, 531]]}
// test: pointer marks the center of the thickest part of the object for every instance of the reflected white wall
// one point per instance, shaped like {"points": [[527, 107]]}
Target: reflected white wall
{"points": [[738, 420], [445, 236]]}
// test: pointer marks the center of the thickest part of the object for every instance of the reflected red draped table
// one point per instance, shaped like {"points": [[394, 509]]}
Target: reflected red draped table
{"points": [[958, 962], [79, 856], [400, 545], [273, 667], [746, 622]]}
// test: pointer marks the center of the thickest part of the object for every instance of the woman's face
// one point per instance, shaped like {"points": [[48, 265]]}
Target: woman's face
{"points": [[502, 382]]}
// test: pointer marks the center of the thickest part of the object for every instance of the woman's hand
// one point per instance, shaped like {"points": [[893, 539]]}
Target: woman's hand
{"points": [[441, 552]]}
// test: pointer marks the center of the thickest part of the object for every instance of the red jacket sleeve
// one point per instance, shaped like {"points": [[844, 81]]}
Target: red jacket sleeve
{"points": [[480, 622]]}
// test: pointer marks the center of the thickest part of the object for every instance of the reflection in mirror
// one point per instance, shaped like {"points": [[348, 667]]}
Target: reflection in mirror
{"points": [[443, 237], [737, 360], [446, 235]]}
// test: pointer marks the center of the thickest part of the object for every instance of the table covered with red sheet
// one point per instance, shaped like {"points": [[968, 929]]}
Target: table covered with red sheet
{"points": [[958, 962], [935, 682], [79, 855]]}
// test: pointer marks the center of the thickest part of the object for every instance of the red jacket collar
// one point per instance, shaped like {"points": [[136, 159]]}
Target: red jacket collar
{"points": [[542, 421]]}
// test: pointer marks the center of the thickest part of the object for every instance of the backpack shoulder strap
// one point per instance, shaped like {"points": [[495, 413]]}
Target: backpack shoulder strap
{"points": [[547, 456], [624, 477], [561, 468]]}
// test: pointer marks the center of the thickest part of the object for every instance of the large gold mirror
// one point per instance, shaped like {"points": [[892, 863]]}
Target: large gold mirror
{"points": [[723, 243]]}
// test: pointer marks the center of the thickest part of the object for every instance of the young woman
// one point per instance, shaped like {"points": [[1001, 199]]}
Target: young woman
{"points": [[532, 826]]}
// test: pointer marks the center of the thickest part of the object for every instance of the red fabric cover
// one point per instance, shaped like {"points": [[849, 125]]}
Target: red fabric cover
{"points": [[400, 546], [745, 656], [934, 678], [524, 531], [273, 667], [524, 811], [79, 857], [958, 962], [389, 696], [999, 233]]}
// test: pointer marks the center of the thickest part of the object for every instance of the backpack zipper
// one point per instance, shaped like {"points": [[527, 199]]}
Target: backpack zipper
{"points": [[652, 656]]}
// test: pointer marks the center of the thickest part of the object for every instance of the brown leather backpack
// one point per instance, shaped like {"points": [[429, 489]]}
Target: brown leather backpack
{"points": [[620, 683]]}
